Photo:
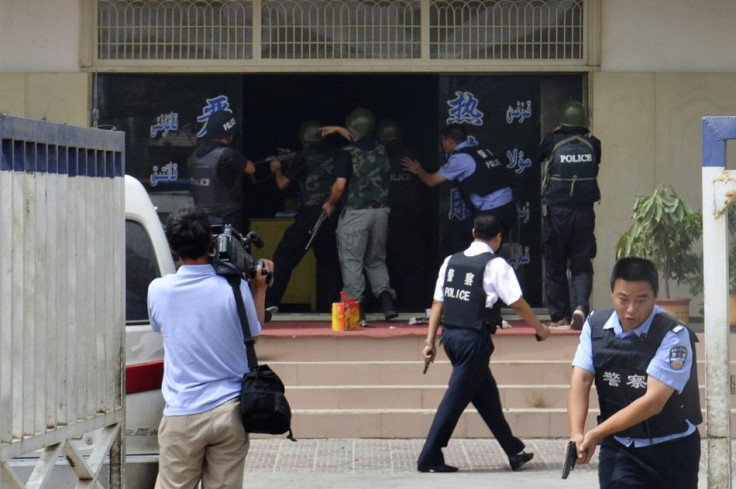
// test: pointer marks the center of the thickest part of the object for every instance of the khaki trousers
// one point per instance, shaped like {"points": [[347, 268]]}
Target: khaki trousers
{"points": [[209, 446]]}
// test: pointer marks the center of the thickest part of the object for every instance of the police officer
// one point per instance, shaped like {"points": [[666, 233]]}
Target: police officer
{"points": [[570, 157], [469, 287], [484, 182], [643, 364], [312, 169], [409, 225], [216, 173], [362, 168]]}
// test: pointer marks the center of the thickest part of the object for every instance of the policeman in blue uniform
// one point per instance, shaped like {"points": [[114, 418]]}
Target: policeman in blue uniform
{"points": [[216, 173], [484, 182], [643, 364], [570, 157], [469, 287]]}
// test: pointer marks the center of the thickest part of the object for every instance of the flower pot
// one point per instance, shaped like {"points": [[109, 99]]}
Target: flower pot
{"points": [[677, 308]]}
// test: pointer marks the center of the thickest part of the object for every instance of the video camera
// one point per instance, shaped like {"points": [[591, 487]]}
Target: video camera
{"points": [[230, 253]]}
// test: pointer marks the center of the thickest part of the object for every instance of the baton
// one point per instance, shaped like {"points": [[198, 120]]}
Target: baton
{"points": [[315, 229]]}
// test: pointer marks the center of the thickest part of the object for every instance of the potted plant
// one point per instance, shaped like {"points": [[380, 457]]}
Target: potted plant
{"points": [[664, 230]]}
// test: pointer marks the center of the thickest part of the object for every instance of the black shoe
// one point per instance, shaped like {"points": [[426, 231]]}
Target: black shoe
{"points": [[436, 468], [520, 459], [387, 304]]}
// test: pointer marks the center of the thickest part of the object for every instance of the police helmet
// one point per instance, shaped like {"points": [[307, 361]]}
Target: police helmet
{"points": [[221, 124], [573, 114], [309, 131], [361, 122], [388, 131]]}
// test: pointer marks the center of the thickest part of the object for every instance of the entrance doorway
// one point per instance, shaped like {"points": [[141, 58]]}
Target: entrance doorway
{"points": [[508, 114]]}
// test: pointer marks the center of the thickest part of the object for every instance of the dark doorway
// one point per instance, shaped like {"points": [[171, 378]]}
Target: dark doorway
{"points": [[271, 108]]}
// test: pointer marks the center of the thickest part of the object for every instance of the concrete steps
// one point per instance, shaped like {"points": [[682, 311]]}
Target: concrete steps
{"points": [[362, 386]]}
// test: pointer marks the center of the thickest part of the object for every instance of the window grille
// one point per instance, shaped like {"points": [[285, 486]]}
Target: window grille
{"points": [[408, 31], [506, 29], [174, 30], [341, 29]]}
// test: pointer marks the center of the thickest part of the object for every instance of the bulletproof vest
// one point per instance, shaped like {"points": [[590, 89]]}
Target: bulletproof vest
{"points": [[569, 173], [621, 377], [405, 191], [368, 186], [489, 175], [320, 165], [464, 297], [208, 190]]}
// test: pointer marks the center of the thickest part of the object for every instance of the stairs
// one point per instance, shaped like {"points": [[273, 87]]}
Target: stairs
{"points": [[369, 383]]}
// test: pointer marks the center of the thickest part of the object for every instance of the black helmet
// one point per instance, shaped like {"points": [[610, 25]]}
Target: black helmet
{"points": [[309, 131], [221, 125], [361, 122], [573, 114], [388, 131]]}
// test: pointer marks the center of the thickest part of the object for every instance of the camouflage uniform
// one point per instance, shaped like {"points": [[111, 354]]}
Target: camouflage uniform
{"points": [[313, 170], [363, 225]]}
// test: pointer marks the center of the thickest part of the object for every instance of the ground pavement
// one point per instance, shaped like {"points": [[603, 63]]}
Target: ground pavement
{"points": [[391, 463]]}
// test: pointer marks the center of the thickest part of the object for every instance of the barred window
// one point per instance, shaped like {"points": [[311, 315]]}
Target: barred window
{"points": [[505, 30]]}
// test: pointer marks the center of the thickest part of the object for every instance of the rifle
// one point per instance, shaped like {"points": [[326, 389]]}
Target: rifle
{"points": [[315, 229], [571, 455], [282, 157]]}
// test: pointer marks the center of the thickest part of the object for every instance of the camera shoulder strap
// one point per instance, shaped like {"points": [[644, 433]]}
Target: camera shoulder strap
{"points": [[250, 350]]}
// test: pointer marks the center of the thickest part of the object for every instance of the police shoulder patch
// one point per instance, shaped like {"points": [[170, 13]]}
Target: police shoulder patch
{"points": [[678, 355]]}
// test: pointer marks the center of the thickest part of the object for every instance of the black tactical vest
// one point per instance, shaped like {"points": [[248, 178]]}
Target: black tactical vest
{"points": [[489, 175], [208, 190], [464, 297], [621, 378], [570, 171]]}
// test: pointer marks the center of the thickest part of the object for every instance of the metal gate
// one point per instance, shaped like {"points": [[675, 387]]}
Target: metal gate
{"points": [[62, 299], [719, 189]]}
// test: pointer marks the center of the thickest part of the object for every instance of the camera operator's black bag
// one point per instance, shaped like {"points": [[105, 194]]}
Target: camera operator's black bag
{"points": [[263, 404]]}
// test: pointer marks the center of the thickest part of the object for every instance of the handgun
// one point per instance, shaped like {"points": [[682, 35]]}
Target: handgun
{"points": [[571, 455]]}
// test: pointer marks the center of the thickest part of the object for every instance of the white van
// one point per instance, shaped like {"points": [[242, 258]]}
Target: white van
{"points": [[147, 257]]}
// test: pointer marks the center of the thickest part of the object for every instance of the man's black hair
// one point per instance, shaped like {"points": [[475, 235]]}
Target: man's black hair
{"points": [[487, 226], [189, 232], [456, 132], [635, 269]]}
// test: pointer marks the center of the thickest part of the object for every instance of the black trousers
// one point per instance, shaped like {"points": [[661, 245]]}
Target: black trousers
{"points": [[469, 352], [407, 256], [290, 252], [661, 466], [568, 242]]}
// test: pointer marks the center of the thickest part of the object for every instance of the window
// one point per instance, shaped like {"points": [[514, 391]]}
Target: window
{"points": [[140, 269]]}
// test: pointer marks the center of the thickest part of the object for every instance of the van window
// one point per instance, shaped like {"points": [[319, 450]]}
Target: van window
{"points": [[141, 268]]}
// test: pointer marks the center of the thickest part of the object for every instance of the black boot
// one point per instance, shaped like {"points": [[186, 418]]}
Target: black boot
{"points": [[387, 304]]}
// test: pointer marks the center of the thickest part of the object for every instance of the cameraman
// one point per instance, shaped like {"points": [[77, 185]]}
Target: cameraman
{"points": [[201, 435]]}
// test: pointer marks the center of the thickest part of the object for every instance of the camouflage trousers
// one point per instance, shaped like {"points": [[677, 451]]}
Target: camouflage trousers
{"points": [[361, 246]]}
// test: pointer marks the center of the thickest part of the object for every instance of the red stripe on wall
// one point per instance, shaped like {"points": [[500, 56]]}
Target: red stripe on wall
{"points": [[142, 377]]}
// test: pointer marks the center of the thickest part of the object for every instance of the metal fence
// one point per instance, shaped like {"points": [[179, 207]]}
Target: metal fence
{"points": [[412, 31], [62, 294]]}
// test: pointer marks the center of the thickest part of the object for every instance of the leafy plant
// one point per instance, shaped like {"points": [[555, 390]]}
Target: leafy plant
{"points": [[664, 230]]}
